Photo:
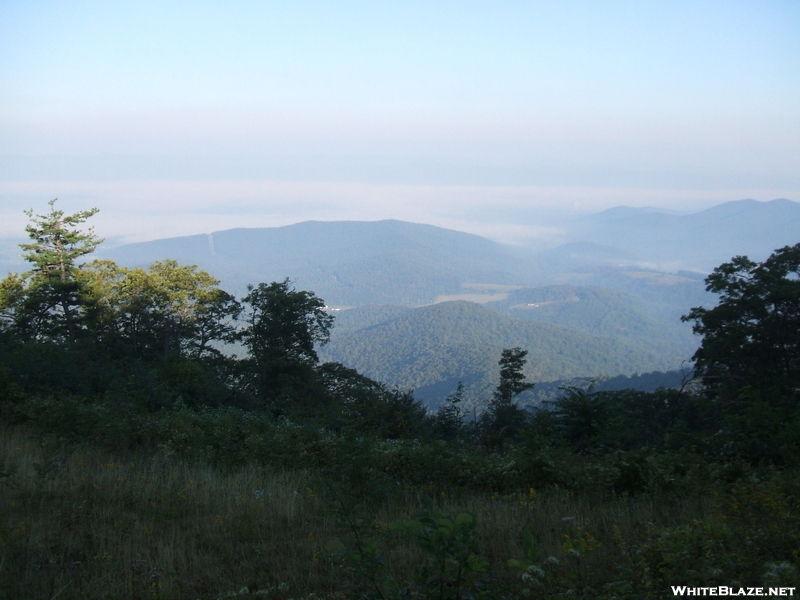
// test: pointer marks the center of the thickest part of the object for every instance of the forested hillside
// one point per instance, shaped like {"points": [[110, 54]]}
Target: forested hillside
{"points": [[445, 343], [391, 263], [602, 312], [347, 263], [637, 239]]}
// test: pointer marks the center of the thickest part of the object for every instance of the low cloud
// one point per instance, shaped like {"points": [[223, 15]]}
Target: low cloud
{"points": [[144, 210]]}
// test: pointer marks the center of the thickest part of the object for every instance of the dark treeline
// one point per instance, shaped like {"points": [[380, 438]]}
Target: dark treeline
{"points": [[133, 359]]}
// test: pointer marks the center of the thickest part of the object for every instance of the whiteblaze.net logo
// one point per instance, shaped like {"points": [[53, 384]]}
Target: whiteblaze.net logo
{"points": [[724, 590]]}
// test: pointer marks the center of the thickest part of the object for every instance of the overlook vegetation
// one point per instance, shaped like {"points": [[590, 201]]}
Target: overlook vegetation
{"points": [[141, 459]]}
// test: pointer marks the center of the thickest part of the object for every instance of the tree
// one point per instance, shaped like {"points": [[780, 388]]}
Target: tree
{"points": [[168, 309], [751, 339], [449, 421], [512, 379], [48, 303], [57, 241], [191, 309], [505, 417], [283, 327], [580, 415], [72, 325], [12, 295]]}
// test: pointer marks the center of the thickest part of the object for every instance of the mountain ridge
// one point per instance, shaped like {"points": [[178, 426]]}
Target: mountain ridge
{"points": [[460, 340]]}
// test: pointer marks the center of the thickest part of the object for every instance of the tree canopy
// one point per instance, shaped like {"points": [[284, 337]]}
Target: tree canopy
{"points": [[57, 241], [46, 302], [504, 416], [283, 327], [751, 339]]}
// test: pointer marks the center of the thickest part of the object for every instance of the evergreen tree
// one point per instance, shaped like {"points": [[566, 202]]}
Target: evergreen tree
{"points": [[48, 302], [449, 420], [505, 417], [57, 241]]}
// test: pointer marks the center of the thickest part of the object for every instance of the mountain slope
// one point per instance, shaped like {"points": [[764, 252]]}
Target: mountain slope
{"points": [[433, 347], [602, 312], [345, 263], [701, 240], [352, 263]]}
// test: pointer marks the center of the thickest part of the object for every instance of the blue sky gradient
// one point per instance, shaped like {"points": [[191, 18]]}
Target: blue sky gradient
{"points": [[416, 110]]}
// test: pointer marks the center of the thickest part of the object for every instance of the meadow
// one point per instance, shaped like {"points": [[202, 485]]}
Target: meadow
{"points": [[83, 521]]}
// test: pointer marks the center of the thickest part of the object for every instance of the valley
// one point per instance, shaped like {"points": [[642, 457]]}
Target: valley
{"points": [[421, 307]]}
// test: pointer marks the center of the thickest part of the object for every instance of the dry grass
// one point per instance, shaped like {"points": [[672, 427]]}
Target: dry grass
{"points": [[77, 523], [95, 526]]}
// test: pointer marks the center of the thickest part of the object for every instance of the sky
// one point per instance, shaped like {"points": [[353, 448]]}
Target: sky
{"points": [[177, 118]]}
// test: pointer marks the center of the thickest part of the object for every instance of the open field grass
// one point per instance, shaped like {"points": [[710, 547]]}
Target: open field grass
{"points": [[81, 523]]}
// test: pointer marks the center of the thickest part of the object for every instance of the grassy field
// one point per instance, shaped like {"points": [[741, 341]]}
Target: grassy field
{"points": [[80, 523]]}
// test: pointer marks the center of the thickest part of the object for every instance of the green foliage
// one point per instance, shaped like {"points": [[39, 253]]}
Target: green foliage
{"points": [[47, 302], [142, 372], [167, 309], [580, 416], [449, 421], [607, 313], [10, 391], [57, 243], [504, 418], [512, 379], [461, 341], [346, 401], [452, 568], [451, 543], [283, 327], [750, 339], [284, 323]]}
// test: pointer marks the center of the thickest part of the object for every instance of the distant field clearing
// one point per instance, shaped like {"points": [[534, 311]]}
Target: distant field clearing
{"points": [[491, 287], [659, 278], [476, 298]]}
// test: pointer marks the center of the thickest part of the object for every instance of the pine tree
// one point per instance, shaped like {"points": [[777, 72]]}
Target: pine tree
{"points": [[58, 242], [505, 417], [51, 305], [449, 420]]}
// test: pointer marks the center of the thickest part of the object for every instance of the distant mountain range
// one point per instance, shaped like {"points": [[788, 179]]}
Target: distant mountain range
{"points": [[351, 263], [698, 241], [424, 307], [345, 262]]}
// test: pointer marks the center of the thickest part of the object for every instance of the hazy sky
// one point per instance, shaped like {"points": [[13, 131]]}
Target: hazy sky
{"points": [[182, 117]]}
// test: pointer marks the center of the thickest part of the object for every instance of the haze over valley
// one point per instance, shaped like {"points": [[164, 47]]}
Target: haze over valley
{"points": [[422, 307]]}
